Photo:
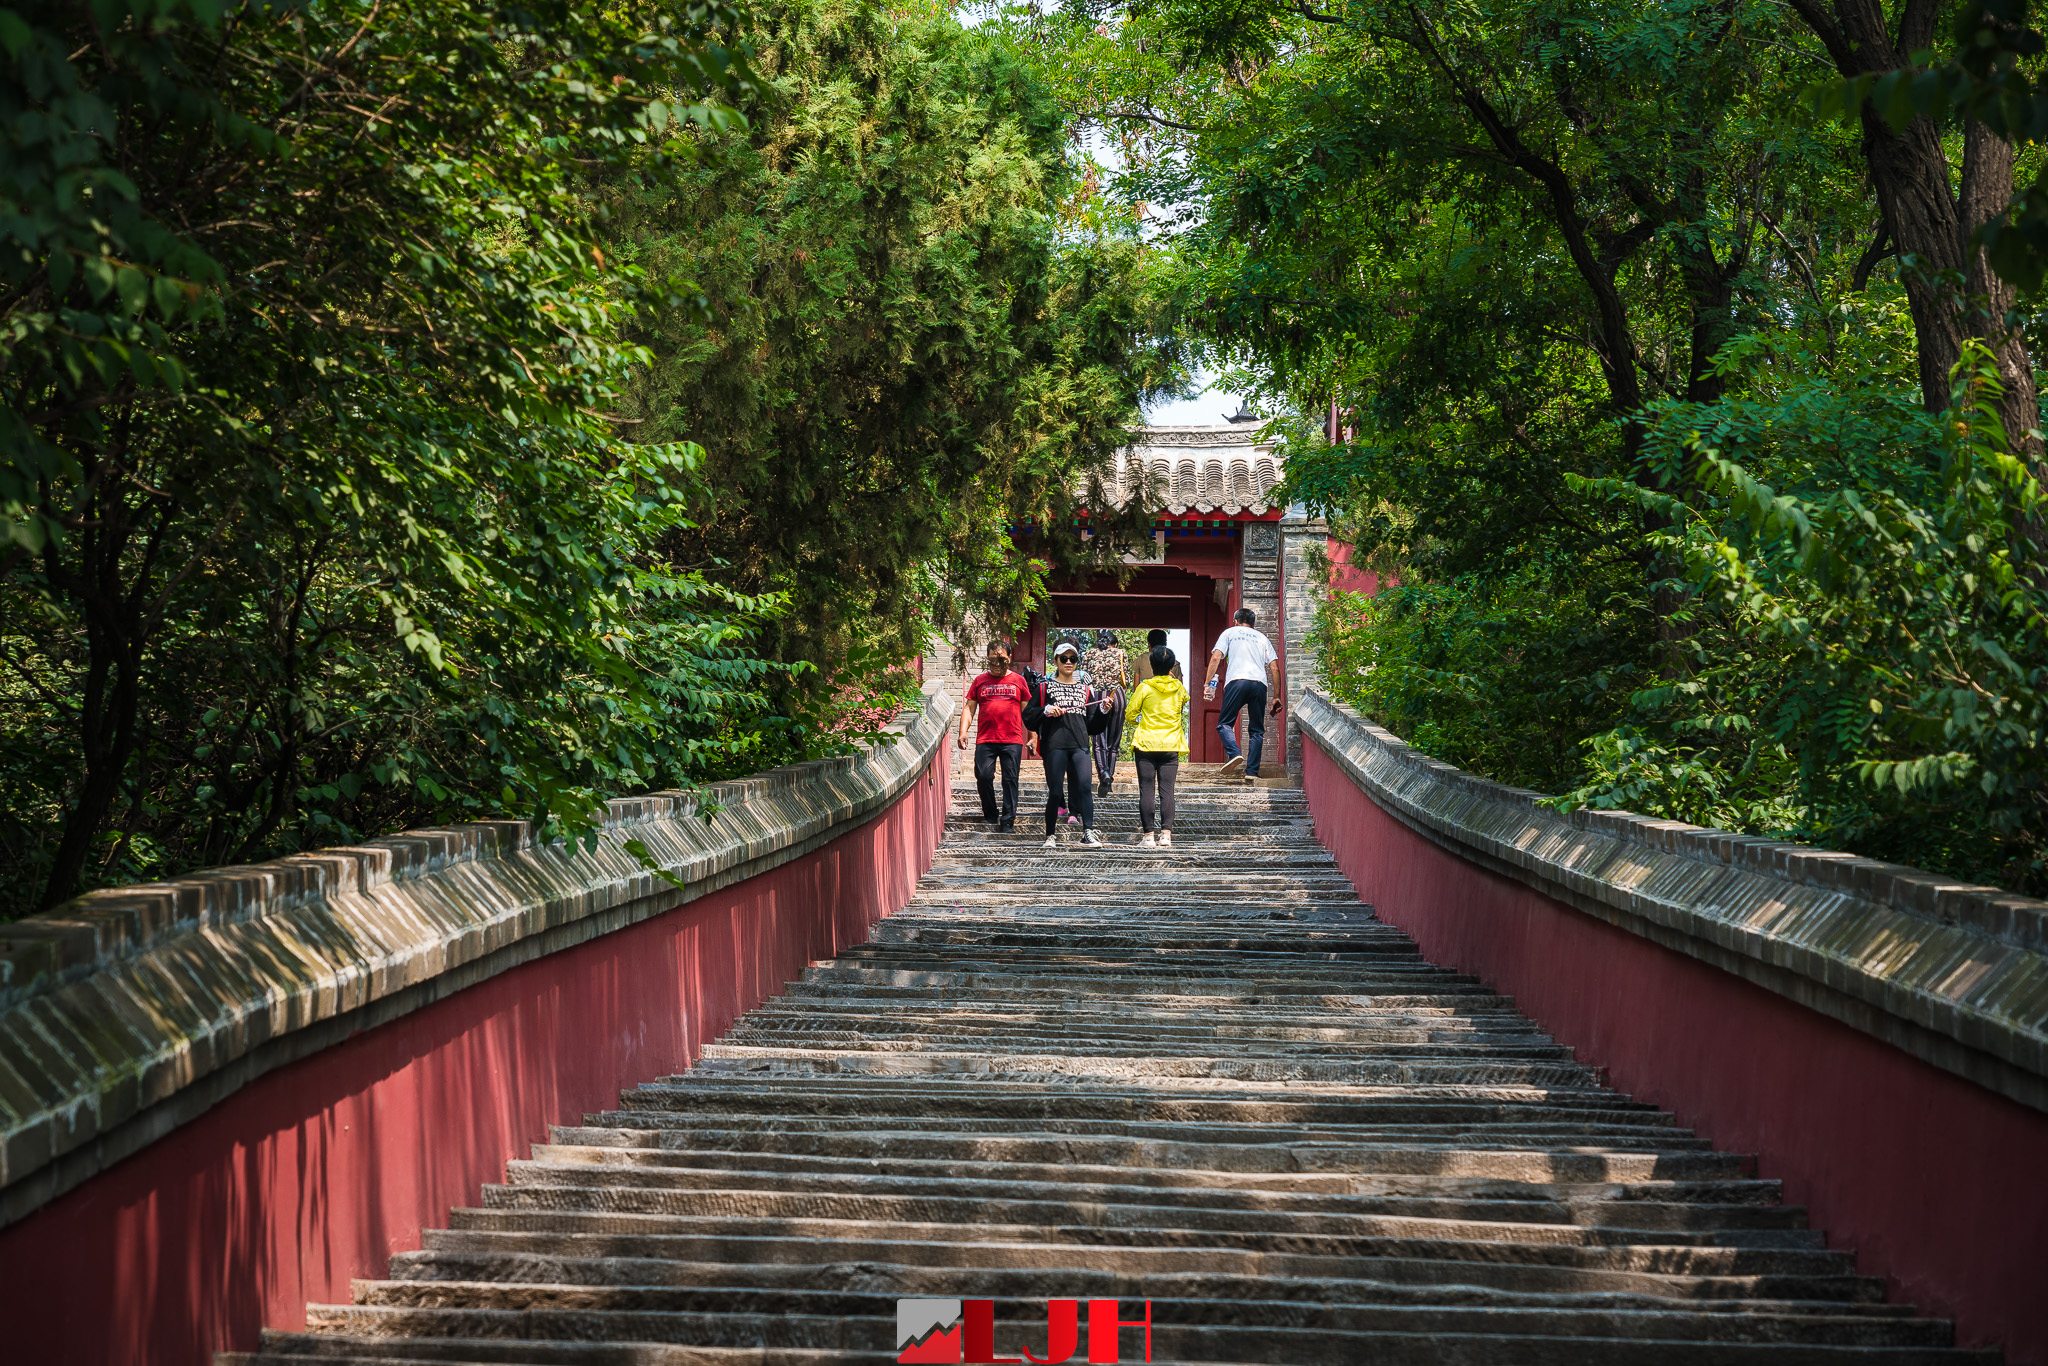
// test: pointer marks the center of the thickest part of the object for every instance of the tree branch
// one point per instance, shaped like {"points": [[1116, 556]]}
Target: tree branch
{"points": [[1142, 117]]}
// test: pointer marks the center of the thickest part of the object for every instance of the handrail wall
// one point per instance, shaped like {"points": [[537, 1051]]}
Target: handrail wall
{"points": [[320, 1059], [1874, 1033], [126, 1012]]}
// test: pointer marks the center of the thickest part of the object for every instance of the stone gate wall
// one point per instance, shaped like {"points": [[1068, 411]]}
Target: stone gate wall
{"points": [[1302, 539]]}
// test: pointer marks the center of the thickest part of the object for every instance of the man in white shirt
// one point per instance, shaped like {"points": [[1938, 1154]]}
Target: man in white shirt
{"points": [[1253, 674]]}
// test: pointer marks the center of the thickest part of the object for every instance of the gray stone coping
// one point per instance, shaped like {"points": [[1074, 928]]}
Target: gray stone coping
{"points": [[1953, 973], [128, 1011]]}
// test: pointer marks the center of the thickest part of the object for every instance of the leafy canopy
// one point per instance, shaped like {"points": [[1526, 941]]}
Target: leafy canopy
{"points": [[911, 348], [316, 522]]}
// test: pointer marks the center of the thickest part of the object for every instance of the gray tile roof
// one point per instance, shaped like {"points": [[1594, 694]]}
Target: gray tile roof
{"points": [[1219, 467]]}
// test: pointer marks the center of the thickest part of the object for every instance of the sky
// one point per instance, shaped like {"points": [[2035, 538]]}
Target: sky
{"points": [[1211, 405]]}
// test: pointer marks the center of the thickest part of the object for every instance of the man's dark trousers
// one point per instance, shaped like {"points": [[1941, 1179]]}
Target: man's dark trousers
{"points": [[985, 757], [1245, 692]]}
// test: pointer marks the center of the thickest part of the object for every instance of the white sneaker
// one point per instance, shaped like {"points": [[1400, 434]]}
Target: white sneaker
{"points": [[1090, 839], [1165, 839], [1147, 840], [1052, 841], [1233, 766]]}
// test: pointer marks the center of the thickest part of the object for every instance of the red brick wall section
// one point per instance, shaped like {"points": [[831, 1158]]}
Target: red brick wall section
{"points": [[1935, 1183], [319, 1171]]}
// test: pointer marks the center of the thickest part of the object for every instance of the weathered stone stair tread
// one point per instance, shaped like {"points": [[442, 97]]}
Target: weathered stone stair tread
{"points": [[872, 1337], [554, 1161], [1204, 1076], [761, 1045], [1119, 1207], [449, 1299], [969, 1256], [1161, 1116], [1422, 1155], [1303, 1195], [1849, 1295], [864, 1138], [1115, 1027], [1735, 1257]]}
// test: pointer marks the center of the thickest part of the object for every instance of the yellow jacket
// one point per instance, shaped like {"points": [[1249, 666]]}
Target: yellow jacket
{"points": [[1155, 710]]}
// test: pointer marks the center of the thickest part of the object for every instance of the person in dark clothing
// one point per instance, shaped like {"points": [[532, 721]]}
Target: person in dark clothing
{"points": [[1253, 675], [1156, 640], [1062, 725], [1109, 673], [995, 708]]}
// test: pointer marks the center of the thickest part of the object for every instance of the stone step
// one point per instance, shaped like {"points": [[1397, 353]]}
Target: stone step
{"points": [[642, 1255], [1538, 1154], [1077, 1110], [647, 1309], [1559, 1150], [905, 930], [1226, 1330], [491, 1263], [841, 1220], [1206, 1077], [1069, 1107], [1149, 1172], [989, 1032], [1104, 1187], [757, 1041], [1106, 1207], [787, 1062]]}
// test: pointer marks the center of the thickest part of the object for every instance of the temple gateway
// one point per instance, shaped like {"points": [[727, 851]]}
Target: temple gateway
{"points": [[1220, 543]]}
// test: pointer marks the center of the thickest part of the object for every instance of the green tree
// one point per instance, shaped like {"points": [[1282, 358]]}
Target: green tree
{"points": [[912, 347], [316, 522], [1639, 379], [1872, 672], [1941, 183]]}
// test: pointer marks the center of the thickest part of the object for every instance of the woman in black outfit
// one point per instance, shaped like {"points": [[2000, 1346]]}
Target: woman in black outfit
{"points": [[1062, 724]]}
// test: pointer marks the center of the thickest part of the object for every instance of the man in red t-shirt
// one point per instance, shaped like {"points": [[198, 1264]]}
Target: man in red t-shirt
{"points": [[995, 706]]}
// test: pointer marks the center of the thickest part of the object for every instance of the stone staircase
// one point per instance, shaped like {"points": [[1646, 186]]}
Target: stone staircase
{"points": [[1204, 1076], [1273, 774]]}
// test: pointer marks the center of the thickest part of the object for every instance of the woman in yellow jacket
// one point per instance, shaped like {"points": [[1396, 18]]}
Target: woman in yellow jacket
{"points": [[1159, 733]]}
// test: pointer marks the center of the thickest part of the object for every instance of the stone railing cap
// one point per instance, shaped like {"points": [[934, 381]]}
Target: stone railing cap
{"points": [[1933, 955], [116, 1001]]}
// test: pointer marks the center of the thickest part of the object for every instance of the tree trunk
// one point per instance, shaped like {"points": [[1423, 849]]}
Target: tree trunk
{"points": [[1713, 322], [1987, 190], [1909, 170], [107, 738]]}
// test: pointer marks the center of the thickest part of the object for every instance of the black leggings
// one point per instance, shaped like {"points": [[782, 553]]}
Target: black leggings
{"points": [[1068, 767], [1160, 769]]}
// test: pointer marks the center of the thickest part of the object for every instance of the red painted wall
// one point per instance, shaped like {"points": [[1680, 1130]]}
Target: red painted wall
{"points": [[319, 1171], [1933, 1182], [1347, 576]]}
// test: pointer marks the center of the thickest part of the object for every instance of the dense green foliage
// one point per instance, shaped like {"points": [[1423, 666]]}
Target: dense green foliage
{"points": [[907, 352], [1872, 651], [315, 524], [361, 364], [1638, 377]]}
